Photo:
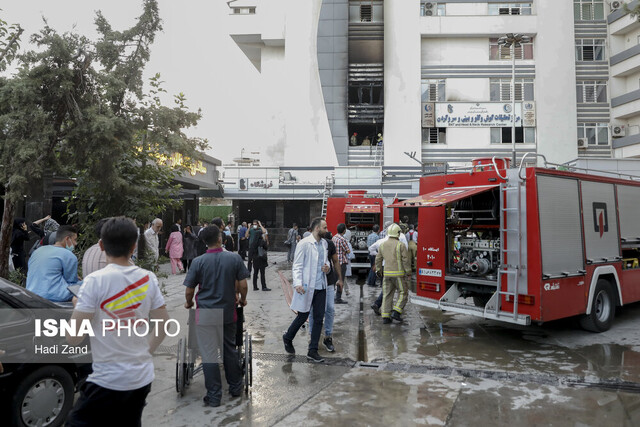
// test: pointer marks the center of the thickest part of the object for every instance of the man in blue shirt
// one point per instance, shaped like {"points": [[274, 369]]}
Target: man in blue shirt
{"points": [[242, 240], [53, 268], [371, 239]]}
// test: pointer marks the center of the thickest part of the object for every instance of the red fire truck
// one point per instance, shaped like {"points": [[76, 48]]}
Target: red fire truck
{"points": [[359, 213], [528, 245]]}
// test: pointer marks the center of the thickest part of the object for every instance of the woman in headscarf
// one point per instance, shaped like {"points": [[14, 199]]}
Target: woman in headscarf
{"points": [[19, 236], [175, 249]]}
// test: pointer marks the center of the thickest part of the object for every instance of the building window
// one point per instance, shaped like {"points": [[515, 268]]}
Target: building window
{"points": [[500, 89], [244, 10], [431, 8], [503, 135], [590, 50], [433, 91], [589, 91], [366, 12], [588, 10], [509, 8], [371, 93], [596, 133], [434, 135], [501, 53]]}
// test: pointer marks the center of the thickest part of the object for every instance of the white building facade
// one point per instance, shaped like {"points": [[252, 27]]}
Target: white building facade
{"points": [[430, 78], [624, 83], [367, 94]]}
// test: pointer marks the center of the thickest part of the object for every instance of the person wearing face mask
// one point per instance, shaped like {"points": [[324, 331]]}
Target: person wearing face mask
{"points": [[53, 268], [253, 234]]}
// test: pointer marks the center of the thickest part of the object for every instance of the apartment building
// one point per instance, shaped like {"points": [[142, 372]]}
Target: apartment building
{"points": [[430, 77], [624, 82], [432, 83]]}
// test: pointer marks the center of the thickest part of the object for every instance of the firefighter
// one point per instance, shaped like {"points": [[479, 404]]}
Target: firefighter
{"points": [[397, 273], [404, 227]]}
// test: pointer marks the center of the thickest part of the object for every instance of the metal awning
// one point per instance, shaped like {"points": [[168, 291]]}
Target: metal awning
{"points": [[442, 196], [361, 209]]}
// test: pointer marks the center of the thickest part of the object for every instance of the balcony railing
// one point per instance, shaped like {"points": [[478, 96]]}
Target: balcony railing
{"points": [[362, 155]]}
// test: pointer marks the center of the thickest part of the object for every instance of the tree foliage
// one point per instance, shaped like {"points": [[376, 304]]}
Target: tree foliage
{"points": [[78, 108], [9, 42]]}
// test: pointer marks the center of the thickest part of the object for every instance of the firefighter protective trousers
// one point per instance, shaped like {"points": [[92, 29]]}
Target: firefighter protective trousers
{"points": [[397, 266]]}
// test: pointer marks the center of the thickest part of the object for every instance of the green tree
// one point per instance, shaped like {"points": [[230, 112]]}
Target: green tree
{"points": [[9, 42], [9, 45], [78, 108], [145, 168]]}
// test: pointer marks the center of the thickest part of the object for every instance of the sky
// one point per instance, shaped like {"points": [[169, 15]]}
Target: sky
{"points": [[194, 55]]}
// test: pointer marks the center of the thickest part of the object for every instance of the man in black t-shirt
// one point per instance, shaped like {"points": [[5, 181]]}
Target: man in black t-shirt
{"points": [[334, 278], [221, 278]]}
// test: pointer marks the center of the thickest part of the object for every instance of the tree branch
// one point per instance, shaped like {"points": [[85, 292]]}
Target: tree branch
{"points": [[11, 42]]}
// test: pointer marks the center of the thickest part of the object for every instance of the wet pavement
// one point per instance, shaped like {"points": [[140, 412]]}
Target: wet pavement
{"points": [[436, 368]]}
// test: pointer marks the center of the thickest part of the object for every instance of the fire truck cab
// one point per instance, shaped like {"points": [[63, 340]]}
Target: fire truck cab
{"points": [[528, 245], [359, 213]]}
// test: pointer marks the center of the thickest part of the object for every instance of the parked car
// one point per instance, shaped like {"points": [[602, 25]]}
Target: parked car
{"points": [[32, 394]]}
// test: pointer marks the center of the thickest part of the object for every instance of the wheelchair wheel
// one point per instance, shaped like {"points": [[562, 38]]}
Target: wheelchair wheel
{"points": [[245, 363], [181, 367], [250, 362]]}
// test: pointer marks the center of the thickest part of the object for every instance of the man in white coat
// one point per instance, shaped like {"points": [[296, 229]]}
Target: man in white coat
{"points": [[310, 285]]}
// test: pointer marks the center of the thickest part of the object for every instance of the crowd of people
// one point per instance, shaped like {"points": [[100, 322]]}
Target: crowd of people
{"points": [[319, 272], [215, 277], [115, 287]]}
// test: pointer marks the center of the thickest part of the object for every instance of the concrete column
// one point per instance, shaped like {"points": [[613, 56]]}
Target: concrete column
{"points": [[402, 116], [554, 53], [315, 209], [38, 205], [308, 137], [280, 214]]}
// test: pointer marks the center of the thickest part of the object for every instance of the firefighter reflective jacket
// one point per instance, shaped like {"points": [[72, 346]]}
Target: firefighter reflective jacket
{"points": [[396, 258]]}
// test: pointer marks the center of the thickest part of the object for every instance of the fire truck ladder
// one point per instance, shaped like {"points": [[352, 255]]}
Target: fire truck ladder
{"points": [[327, 192], [511, 229]]}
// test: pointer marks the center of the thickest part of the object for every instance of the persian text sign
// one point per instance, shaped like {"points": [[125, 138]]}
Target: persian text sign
{"points": [[428, 118], [487, 114]]}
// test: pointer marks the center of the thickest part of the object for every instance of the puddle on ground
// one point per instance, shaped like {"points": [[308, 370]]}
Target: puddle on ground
{"points": [[550, 349], [611, 361]]}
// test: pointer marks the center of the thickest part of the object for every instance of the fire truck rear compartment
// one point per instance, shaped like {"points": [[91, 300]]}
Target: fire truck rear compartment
{"points": [[360, 225], [473, 245]]}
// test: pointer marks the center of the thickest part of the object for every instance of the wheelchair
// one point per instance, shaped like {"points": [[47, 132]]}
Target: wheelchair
{"points": [[187, 360]]}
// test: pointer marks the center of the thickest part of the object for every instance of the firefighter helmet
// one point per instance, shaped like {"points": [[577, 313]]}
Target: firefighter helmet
{"points": [[394, 230]]}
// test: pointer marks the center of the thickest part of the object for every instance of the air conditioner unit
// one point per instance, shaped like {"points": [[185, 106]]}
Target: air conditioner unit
{"points": [[615, 5], [430, 9], [618, 131], [582, 142]]}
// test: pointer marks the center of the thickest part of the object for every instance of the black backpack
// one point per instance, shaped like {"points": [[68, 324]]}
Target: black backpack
{"points": [[42, 242]]}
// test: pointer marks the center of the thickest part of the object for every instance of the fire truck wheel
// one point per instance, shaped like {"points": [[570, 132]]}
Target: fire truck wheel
{"points": [[603, 309]]}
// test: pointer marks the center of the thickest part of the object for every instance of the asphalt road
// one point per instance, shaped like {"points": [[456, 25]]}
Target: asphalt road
{"points": [[436, 368]]}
